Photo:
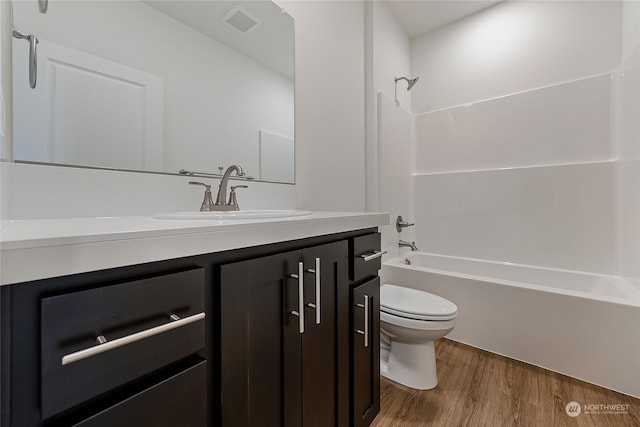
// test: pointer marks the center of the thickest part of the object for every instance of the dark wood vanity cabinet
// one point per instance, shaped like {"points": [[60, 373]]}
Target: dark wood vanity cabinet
{"points": [[365, 257], [122, 347], [284, 342], [275, 339]]}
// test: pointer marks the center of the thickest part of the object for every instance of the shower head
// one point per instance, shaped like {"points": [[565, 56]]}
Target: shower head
{"points": [[411, 82]]}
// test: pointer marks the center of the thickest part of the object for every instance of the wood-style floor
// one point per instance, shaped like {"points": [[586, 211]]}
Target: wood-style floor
{"points": [[478, 388]]}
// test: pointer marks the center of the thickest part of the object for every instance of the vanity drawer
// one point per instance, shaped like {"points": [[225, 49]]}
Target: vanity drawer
{"points": [[147, 324], [180, 400], [364, 256]]}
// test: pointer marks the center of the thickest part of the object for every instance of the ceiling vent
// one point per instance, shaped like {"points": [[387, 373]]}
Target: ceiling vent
{"points": [[240, 19]]}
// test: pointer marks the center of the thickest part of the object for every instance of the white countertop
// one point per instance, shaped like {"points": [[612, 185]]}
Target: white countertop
{"points": [[38, 249]]}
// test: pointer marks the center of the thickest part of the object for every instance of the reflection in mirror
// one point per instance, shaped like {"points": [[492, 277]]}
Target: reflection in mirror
{"points": [[157, 86]]}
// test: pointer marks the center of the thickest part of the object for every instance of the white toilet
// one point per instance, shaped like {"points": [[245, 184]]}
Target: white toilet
{"points": [[410, 322]]}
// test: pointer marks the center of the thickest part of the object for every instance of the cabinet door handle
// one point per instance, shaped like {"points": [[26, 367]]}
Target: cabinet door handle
{"points": [[300, 312], [374, 255], [366, 321], [316, 306], [104, 345]]}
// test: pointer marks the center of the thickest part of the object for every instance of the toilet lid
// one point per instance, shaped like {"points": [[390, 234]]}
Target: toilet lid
{"points": [[415, 304]]}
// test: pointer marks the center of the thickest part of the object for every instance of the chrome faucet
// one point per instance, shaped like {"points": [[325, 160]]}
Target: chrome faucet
{"points": [[412, 245], [221, 203]]}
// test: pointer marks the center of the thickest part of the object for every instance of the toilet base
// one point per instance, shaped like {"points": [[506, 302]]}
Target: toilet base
{"points": [[411, 364]]}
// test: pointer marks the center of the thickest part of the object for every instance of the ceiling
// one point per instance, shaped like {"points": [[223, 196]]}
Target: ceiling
{"points": [[271, 43], [266, 43], [421, 16]]}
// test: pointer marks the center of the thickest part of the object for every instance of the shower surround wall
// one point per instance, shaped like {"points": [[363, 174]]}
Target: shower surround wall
{"points": [[526, 142], [522, 146]]}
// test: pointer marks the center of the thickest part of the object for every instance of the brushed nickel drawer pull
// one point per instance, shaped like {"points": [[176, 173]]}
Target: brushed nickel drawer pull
{"points": [[366, 321], [374, 255], [316, 305], [365, 333], [300, 312], [105, 345]]}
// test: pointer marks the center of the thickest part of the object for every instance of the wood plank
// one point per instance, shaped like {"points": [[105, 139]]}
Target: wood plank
{"points": [[479, 388]]}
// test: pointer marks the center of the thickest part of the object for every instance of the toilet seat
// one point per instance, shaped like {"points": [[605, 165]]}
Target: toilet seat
{"points": [[414, 324], [414, 304]]}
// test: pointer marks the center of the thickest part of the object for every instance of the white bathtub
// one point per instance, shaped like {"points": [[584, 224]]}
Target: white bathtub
{"points": [[580, 324]]}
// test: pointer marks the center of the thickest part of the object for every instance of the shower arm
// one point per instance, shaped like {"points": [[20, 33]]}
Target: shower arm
{"points": [[410, 84]]}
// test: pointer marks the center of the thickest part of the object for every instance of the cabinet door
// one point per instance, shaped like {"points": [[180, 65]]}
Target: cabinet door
{"points": [[325, 342], [365, 310], [253, 316], [285, 339]]}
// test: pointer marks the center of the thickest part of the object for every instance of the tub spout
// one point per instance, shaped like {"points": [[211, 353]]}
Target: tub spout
{"points": [[411, 245]]}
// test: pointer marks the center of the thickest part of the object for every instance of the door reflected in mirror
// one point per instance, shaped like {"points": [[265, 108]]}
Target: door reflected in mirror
{"points": [[157, 86]]}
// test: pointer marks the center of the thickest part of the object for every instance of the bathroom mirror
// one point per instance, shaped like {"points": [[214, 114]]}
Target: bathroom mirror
{"points": [[157, 86]]}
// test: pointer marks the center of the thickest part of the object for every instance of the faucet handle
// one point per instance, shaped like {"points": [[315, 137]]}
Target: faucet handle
{"points": [[207, 202], [233, 201], [208, 187], [400, 224]]}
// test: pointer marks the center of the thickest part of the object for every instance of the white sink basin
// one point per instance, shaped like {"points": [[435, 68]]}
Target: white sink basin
{"points": [[232, 215]]}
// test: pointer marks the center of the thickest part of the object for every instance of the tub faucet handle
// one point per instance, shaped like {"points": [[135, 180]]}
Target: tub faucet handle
{"points": [[401, 223]]}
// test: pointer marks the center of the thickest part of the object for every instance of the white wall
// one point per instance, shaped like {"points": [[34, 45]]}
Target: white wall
{"points": [[514, 46], [630, 33], [330, 129], [395, 126], [557, 216], [392, 139], [392, 55], [522, 119], [39, 191], [626, 104]]}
